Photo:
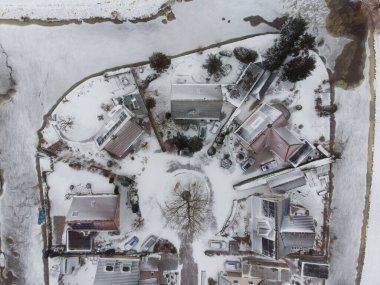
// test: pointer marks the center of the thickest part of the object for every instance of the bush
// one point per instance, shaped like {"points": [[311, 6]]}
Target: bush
{"points": [[211, 281], [195, 144], [213, 65], [150, 103], [159, 62], [245, 55], [182, 142], [298, 68], [211, 151]]}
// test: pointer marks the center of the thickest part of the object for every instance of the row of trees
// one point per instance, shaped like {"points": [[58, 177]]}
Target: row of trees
{"points": [[295, 42]]}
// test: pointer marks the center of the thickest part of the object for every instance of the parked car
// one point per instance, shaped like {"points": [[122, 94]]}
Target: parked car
{"points": [[215, 127], [131, 243], [149, 243], [248, 163], [202, 132], [268, 165], [232, 265], [217, 244]]}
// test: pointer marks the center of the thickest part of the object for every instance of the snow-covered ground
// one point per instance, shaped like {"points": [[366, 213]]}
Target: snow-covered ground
{"points": [[82, 9], [119, 9], [372, 258], [352, 126]]}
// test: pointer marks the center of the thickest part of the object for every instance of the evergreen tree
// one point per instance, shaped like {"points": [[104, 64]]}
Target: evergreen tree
{"points": [[292, 29], [213, 65], [159, 62], [305, 43], [298, 68], [150, 103]]}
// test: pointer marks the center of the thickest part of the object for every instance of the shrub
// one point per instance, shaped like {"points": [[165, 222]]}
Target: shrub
{"points": [[245, 55], [298, 68], [211, 151], [182, 142], [213, 65], [195, 144], [159, 61], [150, 103]]}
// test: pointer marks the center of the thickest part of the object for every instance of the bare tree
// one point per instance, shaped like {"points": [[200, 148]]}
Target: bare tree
{"points": [[188, 210], [65, 123]]}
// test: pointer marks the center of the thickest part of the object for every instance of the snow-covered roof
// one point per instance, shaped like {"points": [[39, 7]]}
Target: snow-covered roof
{"points": [[258, 122], [287, 135], [298, 224], [120, 271], [287, 181], [93, 208], [196, 101], [197, 92], [124, 138]]}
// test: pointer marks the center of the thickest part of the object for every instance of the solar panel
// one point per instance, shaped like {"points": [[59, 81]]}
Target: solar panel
{"points": [[267, 247], [268, 208]]}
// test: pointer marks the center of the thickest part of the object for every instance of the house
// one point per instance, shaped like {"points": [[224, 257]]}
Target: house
{"points": [[266, 129], [94, 213], [255, 81], [119, 133], [196, 101], [274, 232]]}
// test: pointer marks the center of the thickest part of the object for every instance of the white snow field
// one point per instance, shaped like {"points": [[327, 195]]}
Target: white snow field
{"points": [[352, 126], [372, 258], [82, 9]]}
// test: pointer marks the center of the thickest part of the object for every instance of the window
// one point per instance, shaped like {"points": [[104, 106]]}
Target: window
{"points": [[109, 267], [75, 213], [267, 247], [268, 208], [126, 268]]}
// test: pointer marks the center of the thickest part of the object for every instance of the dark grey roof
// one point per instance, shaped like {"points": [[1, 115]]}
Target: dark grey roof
{"points": [[123, 139], [196, 101], [117, 276], [317, 270]]}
